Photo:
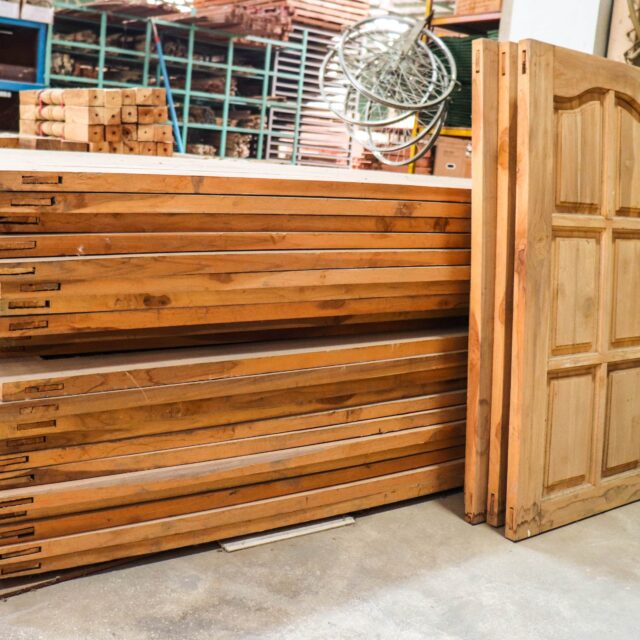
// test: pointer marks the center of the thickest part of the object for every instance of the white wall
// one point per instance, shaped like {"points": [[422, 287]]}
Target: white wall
{"points": [[582, 25]]}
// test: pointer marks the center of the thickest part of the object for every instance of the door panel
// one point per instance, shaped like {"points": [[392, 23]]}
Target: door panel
{"points": [[574, 440]]}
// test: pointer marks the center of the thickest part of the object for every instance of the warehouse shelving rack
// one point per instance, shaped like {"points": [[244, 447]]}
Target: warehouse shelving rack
{"points": [[40, 32], [193, 35]]}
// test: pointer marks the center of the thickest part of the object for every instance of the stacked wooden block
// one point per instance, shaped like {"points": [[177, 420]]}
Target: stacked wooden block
{"points": [[108, 120], [240, 353]]}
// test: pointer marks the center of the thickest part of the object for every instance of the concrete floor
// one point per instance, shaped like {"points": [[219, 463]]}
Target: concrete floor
{"points": [[414, 572]]}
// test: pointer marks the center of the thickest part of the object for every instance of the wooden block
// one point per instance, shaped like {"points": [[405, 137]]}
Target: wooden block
{"points": [[129, 114], [41, 112], [146, 133], [113, 98], [128, 97], [129, 132], [113, 133], [149, 96], [28, 127], [164, 148], [29, 97], [50, 96], [116, 147], [79, 132], [51, 128], [130, 146], [92, 115], [99, 147], [152, 115], [163, 133], [75, 97], [147, 148]]}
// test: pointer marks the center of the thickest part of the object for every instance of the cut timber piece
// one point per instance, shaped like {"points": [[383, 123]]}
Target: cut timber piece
{"points": [[37, 378], [147, 148], [62, 438], [503, 302], [112, 98], [128, 97], [324, 474], [130, 146], [170, 533], [150, 96], [113, 133], [92, 115], [129, 132], [50, 245], [483, 242], [162, 133], [99, 174], [152, 115], [574, 434], [129, 114], [76, 97], [145, 133], [164, 148], [84, 132]]}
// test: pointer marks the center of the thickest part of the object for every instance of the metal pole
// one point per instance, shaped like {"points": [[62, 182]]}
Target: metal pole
{"points": [[167, 86]]}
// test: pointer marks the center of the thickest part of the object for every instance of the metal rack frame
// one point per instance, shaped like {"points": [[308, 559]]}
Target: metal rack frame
{"points": [[189, 32]]}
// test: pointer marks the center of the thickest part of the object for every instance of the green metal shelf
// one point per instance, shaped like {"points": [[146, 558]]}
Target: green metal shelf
{"points": [[193, 37]]}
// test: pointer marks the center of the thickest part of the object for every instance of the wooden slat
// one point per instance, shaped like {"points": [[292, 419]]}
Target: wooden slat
{"points": [[140, 539], [503, 300], [483, 242]]}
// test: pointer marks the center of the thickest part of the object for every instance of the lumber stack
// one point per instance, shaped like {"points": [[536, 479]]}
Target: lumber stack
{"points": [[240, 353], [554, 337], [276, 18], [110, 258], [108, 120]]}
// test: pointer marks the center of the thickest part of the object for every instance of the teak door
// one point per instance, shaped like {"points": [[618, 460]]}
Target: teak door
{"points": [[574, 441]]}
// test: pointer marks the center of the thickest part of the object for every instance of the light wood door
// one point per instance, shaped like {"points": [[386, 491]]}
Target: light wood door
{"points": [[574, 442]]}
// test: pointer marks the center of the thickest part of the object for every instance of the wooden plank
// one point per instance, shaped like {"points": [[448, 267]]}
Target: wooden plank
{"points": [[483, 242], [503, 301], [69, 173], [220, 415], [573, 440], [88, 548], [51, 245], [70, 405], [346, 469], [410, 430], [222, 432], [36, 378], [57, 325]]}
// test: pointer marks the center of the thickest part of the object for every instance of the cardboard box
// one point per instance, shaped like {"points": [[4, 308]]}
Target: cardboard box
{"points": [[40, 11], [471, 7], [10, 9], [453, 157]]}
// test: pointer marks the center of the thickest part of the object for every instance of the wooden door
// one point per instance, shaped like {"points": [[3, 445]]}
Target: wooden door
{"points": [[574, 441]]}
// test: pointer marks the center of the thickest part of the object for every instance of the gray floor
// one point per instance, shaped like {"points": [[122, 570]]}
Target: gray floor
{"points": [[406, 573]]}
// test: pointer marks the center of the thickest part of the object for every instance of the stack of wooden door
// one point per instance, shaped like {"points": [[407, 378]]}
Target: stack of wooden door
{"points": [[554, 334], [189, 357]]}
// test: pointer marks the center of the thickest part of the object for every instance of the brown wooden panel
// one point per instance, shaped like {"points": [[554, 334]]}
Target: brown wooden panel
{"points": [[503, 299], [572, 412], [483, 242]]}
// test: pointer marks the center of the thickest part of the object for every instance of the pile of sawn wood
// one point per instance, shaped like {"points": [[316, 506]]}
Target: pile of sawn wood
{"points": [[188, 357]]}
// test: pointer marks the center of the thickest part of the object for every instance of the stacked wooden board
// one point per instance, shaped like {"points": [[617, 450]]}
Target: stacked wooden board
{"points": [[105, 259], [275, 18], [327, 375], [108, 120], [554, 340]]}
